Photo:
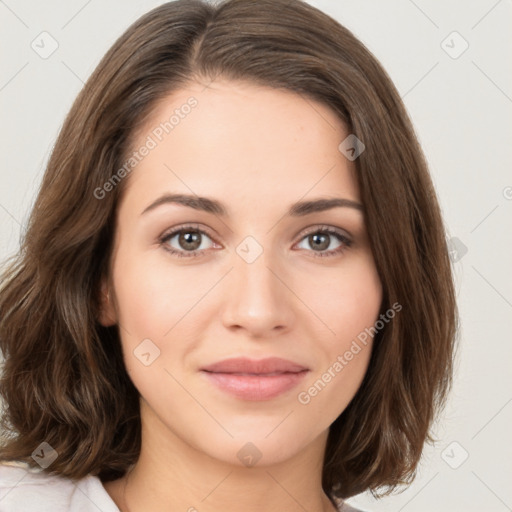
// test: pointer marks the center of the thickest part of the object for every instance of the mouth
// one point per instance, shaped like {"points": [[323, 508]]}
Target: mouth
{"points": [[243, 365], [255, 387], [272, 374]]}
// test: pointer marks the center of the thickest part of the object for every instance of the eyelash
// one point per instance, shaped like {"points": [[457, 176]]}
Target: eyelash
{"points": [[192, 254]]}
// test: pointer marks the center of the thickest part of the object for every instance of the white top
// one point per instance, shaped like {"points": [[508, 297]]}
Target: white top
{"points": [[25, 489]]}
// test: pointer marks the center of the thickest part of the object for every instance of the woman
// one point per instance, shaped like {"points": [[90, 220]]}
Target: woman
{"points": [[234, 292]]}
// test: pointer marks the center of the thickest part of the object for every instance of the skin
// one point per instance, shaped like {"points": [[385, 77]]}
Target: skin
{"points": [[257, 150]]}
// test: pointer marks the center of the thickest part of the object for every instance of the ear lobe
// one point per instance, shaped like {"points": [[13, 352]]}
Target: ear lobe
{"points": [[107, 314]]}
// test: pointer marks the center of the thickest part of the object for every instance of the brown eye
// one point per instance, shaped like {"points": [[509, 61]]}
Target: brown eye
{"points": [[325, 242], [189, 240], [186, 242], [319, 241]]}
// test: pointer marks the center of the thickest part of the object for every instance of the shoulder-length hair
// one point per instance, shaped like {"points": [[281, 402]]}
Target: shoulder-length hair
{"points": [[64, 381]]}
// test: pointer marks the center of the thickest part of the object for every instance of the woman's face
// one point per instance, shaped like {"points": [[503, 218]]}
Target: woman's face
{"points": [[248, 273]]}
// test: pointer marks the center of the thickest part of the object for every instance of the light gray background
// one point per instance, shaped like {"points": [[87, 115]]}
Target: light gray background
{"points": [[461, 108]]}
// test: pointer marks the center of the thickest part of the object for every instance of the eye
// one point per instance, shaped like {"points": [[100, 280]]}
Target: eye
{"points": [[186, 241], [191, 241], [326, 241]]}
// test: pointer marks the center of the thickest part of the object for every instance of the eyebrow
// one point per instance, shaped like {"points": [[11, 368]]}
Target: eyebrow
{"points": [[298, 209]]}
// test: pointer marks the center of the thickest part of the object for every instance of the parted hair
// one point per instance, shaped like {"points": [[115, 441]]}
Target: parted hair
{"points": [[63, 379]]}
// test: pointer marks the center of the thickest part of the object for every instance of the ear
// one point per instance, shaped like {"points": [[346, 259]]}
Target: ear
{"points": [[107, 314]]}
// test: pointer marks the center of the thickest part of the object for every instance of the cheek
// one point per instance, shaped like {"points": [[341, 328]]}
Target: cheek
{"points": [[350, 307], [152, 295], [347, 301], [359, 303], [164, 304], [359, 307]]}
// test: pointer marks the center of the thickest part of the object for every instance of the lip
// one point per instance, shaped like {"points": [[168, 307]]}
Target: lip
{"points": [[258, 366], [255, 380]]}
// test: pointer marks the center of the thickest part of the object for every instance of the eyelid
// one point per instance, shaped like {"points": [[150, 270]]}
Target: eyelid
{"points": [[314, 228], [304, 232], [345, 239], [168, 234], [342, 234], [183, 227]]}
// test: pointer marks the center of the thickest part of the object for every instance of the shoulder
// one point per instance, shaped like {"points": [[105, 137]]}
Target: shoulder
{"points": [[345, 507], [27, 489]]}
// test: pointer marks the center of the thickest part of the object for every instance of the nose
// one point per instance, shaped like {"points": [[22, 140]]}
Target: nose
{"points": [[258, 299]]}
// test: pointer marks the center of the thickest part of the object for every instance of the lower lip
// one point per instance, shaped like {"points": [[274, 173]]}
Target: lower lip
{"points": [[255, 387]]}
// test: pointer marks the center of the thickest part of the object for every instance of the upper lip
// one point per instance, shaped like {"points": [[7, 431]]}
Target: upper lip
{"points": [[260, 366]]}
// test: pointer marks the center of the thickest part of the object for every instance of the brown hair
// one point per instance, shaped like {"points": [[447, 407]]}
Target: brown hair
{"points": [[64, 380]]}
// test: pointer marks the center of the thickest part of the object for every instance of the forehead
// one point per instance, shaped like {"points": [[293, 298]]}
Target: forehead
{"points": [[242, 142]]}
